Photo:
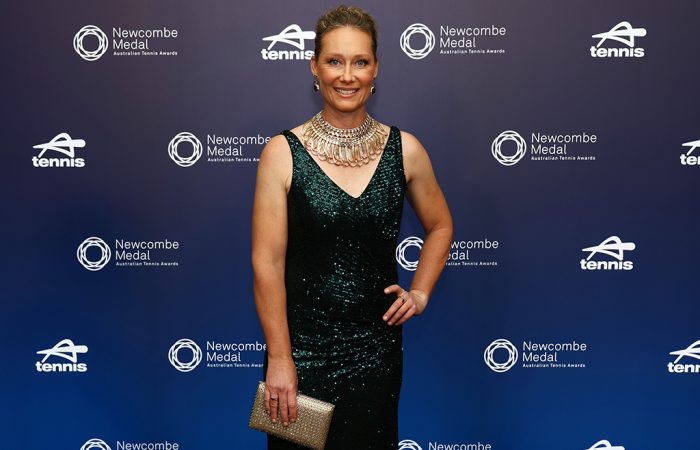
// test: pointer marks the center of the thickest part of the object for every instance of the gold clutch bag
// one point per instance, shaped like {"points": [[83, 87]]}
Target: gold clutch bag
{"points": [[310, 429]]}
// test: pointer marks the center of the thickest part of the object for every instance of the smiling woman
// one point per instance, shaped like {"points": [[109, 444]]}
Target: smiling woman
{"points": [[328, 203], [345, 70]]}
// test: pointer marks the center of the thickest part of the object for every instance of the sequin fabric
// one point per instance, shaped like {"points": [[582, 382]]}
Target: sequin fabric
{"points": [[340, 257]]}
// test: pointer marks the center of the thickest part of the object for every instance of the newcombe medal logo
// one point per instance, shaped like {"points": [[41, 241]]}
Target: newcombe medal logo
{"points": [[508, 159], [189, 140], [189, 346], [91, 43], [96, 33], [95, 444], [501, 365], [408, 444], [94, 264], [402, 259], [410, 48]]}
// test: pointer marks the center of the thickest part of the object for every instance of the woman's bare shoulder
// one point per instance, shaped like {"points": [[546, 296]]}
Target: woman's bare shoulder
{"points": [[413, 150], [415, 157], [277, 148], [276, 158], [410, 144]]}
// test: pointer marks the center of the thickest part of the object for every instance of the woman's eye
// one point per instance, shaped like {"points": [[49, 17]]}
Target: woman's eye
{"points": [[361, 63], [333, 62]]}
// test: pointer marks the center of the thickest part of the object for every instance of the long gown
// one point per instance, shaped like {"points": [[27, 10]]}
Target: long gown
{"points": [[340, 257]]}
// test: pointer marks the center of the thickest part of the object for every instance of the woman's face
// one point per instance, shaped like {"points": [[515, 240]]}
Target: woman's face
{"points": [[345, 68]]}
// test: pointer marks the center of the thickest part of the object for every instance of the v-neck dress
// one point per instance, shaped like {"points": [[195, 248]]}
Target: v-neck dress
{"points": [[340, 257]]}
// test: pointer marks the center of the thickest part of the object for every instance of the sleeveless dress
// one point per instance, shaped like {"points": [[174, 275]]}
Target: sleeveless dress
{"points": [[340, 257]]}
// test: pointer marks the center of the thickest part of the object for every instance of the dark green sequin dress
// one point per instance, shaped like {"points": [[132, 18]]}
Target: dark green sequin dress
{"points": [[340, 257]]}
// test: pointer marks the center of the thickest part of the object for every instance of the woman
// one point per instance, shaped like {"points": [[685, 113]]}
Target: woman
{"points": [[326, 215]]}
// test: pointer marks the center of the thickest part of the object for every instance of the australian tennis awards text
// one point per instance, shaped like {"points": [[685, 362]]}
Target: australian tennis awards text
{"points": [[467, 40], [143, 253], [472, 253], [234, 354], [231, 148], [127, 41], [551, 354], [557, 146]]}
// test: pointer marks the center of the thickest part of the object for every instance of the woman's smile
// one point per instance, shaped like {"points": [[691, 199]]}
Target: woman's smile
{"points": [[346, 92]]}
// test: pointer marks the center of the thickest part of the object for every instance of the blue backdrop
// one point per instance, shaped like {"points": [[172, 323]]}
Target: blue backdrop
{"points": [[93, 331]]}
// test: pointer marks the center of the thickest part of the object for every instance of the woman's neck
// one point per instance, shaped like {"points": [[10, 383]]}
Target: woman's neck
{"points": [[344, 120]]}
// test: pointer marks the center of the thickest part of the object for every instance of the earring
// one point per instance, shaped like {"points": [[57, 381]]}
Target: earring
{"points": [[373, 89], [317, 85]]}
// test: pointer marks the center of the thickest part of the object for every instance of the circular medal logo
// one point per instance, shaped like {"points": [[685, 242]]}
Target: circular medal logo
{"points": [[105, 253], [173, 355], [192, 140], [408, 444], [501, 366], [508, 160], [90, 55], [401, 252], [98, 444], [419, 53]]}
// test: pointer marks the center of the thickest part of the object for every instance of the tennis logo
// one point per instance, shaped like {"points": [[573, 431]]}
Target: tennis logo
{"points": [[686, 158], [292, 35], [501, 365], [96, 263], [408, 264], [174, 355], [428, 41], [102, 43], [188, 138], [67, 350], [612, 246], [623, 33], [693, 352], [98, 444], [606, 445], [62, 143], [508, 160]]}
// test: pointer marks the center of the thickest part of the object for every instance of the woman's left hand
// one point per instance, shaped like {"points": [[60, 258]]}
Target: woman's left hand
{"points": [[407, 305]]}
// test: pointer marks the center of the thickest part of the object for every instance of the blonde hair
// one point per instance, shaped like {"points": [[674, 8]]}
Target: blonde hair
{"points": [[345, 16]]}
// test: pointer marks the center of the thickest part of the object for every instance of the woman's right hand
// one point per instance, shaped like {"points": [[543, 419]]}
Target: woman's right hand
{"points": [[281, 389]]}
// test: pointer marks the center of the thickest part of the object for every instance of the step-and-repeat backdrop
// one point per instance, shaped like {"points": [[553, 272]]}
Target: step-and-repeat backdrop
{"points": [[565, 136]]}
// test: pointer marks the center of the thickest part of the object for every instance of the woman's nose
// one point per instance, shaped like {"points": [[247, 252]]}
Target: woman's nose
{"points": [[347, 74]]}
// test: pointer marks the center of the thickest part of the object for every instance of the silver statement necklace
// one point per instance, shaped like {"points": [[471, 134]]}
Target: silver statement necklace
{"points": [[344, 146]]}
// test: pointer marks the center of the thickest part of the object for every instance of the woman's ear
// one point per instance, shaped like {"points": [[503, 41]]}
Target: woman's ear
{"points": [[312, 65]]}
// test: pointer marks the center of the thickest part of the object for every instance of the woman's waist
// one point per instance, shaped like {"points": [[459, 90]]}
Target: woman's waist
{"points": [[317, 332], [343, 300]]}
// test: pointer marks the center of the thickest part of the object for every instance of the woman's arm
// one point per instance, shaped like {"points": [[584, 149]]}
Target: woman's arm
{"points": [[269, 246], [426, 198]]}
